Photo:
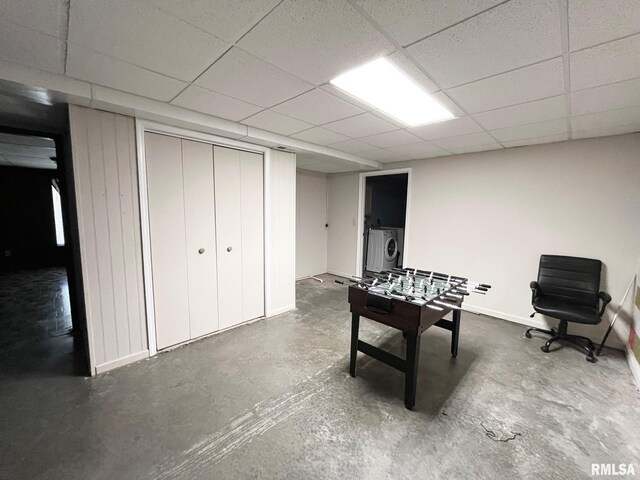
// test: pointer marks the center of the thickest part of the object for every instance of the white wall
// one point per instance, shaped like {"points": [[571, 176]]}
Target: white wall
{"points": [[342, 211], [311, 217], [106, 185], [488, 216], [281, 265]]}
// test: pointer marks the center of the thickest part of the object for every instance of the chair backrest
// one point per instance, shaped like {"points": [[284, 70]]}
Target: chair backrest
{"points": [[571, 279]]}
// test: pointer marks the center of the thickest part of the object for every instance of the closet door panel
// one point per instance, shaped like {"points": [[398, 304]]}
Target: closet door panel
{"points": [[252, 214], [229, 235], [168, 243], [199, 209]]}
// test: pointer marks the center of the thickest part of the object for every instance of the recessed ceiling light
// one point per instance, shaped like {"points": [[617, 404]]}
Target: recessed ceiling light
{"points": [[383, 86]]}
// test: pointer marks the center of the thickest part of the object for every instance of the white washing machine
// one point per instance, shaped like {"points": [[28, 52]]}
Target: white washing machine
{"points": [[382, 253]]}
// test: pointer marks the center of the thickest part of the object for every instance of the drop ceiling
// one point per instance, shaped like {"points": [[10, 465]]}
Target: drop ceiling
{"points": [[516, 72], [27, 151]]}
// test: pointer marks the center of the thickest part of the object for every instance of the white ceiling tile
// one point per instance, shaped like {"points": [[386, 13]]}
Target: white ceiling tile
{"points": [[533, 130], [96, 68], [466, 142], [317, 107], [608, 63], [143, 35], [381, 155], [44, 16], [448, 128], [320, 136], [531, 112], [202, 100], [361, 126], [226, 19], [277, 123], [478, 148], [410, 20], [240, 75], [391, 139], [530, 83], [315, 39], [419, 150], [605, 132], [352, 146], [30, 48], [606, 120], [336, 92], [593, 22], [510, 36], [607, 97], [536, 141], [402, 62]]}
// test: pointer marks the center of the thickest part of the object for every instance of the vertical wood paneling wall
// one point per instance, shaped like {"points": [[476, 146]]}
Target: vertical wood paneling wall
{"points": [[282, 231], [106, 184]]}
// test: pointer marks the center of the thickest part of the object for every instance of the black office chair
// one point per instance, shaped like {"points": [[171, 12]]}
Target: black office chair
{"points": [[567, 289]]}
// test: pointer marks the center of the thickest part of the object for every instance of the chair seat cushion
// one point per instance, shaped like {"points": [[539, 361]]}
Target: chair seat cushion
{"points": [[566, 311]]}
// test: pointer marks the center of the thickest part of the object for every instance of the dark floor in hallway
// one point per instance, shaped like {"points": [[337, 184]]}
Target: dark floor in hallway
{"points": [[273, 399], [35, 321]]}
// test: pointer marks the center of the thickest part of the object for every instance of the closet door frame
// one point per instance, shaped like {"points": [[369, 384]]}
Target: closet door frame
{"points": [[145, 126]]}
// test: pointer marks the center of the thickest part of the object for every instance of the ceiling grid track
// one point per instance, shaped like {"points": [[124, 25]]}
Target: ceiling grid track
{"points": [[63, 21], [231, 45], [563, 8]]}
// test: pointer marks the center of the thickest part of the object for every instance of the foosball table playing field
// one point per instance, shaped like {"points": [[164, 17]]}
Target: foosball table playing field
{"points": [[410, 300]]}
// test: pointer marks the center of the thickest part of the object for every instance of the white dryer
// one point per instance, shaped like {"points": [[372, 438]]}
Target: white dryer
{"points": [[382, 252]]}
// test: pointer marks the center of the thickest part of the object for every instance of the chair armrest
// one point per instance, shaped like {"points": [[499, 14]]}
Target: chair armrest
{"points": [[535, 289], [606, 298]]}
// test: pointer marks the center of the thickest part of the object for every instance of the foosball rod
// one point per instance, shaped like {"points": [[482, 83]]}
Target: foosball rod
{"points": [[429, 274], [441, 276], [437, 275]]}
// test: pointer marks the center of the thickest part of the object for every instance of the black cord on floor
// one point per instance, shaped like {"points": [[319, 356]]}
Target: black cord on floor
{"points": [[492, 435]]}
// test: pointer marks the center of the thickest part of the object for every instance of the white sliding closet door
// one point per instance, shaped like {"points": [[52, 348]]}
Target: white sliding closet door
{"points": [[229, 226], [168, 238], [252, 203], [240, 235], [207, 236], [197, 167]]}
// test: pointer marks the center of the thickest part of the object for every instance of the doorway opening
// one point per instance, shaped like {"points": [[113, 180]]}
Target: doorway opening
{"points": [[40, 317], [383, 222]]}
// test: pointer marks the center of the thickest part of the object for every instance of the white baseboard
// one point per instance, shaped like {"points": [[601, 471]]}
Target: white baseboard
{"points": [[528, 321], [280, 310], [310, 276], [120, 362], [341, 274], [536, 321], [634, 366]]}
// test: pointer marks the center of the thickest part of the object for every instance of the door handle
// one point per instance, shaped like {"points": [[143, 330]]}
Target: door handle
{"points": [[201, 251], [229, 249]]}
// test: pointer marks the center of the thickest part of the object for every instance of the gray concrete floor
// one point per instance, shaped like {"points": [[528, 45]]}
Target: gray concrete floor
{"points": [[273, 399]]}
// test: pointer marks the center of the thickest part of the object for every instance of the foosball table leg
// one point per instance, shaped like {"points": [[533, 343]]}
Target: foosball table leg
{"points": [[355, 326], [455, 333], [411, 370]]}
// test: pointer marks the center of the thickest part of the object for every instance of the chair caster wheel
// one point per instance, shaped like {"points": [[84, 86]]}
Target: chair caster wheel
{"points": [[527, 334], [592, 359], [545, 349]]}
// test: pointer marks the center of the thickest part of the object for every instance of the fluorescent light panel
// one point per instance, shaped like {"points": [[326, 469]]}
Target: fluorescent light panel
{"points": [[383, 86]]}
